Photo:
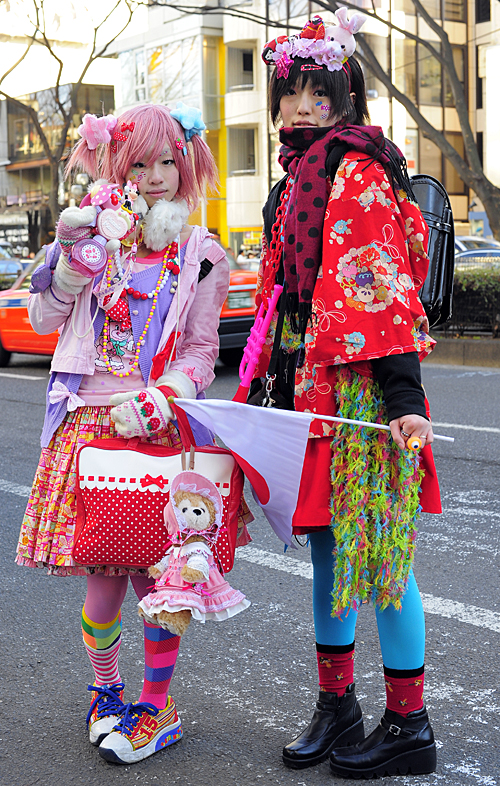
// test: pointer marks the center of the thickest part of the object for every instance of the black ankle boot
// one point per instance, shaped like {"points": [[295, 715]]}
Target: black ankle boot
{"points": [[398, 746], [337, 721]]}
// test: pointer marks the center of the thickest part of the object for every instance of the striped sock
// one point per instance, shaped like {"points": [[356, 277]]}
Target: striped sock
{"points": [[160, 650], [102, 642]]}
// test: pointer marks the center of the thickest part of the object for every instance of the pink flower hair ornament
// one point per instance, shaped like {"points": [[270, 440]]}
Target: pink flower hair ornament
{"points": [[329, 47], [97, 130]]}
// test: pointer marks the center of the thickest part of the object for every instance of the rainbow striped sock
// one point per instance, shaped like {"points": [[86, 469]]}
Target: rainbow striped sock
{"points": [[102, 642], [160, 651]]}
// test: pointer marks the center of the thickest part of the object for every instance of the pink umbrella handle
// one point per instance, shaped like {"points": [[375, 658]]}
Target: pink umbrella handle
{"points": [[255, 343]]}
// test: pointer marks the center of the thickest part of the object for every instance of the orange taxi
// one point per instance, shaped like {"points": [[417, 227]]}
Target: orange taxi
{"points": [[17, 335]]}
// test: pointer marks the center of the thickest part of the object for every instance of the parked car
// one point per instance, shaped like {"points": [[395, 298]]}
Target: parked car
{"points": [[478, 259], [17, 335], [470, 242]]}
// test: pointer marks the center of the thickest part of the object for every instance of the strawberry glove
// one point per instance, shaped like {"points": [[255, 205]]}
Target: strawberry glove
{"points": [[145, 413]]}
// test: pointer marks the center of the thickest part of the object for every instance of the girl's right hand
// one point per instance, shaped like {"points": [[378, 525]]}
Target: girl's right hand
{"points": [[407, 426], [67, 278]]}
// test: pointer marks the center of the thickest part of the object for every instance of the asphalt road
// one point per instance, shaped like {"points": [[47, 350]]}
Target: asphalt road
{"points": [[244, 688]]}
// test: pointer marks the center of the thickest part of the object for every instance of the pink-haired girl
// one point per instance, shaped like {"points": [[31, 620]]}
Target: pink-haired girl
{"points": [[166, 281]]}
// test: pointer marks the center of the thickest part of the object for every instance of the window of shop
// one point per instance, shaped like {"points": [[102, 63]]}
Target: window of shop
{"points": [[483, 11]]}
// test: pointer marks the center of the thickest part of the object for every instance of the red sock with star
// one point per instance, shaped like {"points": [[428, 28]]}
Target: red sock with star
{"points": [[404, 690], [335, 667]]}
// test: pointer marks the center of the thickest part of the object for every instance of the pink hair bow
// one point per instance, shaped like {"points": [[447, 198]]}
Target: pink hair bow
{"points": [[60, 392], [97, 130]]}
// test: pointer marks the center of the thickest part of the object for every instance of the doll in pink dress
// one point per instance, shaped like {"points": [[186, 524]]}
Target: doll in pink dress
{"points": [[188, 580]]}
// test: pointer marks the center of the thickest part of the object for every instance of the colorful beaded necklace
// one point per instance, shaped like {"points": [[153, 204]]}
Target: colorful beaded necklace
{"points": [[170, 267]]}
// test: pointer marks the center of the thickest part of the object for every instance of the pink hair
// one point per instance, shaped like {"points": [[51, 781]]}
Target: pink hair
{"points": [[151, 122]]}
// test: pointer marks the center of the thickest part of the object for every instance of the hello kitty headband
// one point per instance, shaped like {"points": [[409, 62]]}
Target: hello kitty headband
{"points": [[329, 47]]}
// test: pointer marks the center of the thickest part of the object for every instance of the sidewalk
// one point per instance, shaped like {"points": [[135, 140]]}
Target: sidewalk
{"points": [[465, 351]]}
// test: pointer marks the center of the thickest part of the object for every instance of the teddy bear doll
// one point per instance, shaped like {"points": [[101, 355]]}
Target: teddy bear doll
{"points": [[188, 581]]}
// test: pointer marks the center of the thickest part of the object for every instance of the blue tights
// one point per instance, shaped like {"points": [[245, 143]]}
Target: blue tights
{"points": [[401, 633]]}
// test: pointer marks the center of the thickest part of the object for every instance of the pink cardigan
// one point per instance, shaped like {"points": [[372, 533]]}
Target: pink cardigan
{"points": [[197, 311]]}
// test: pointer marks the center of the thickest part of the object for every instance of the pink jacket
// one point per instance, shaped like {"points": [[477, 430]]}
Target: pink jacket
{"points": [[197, 311]]}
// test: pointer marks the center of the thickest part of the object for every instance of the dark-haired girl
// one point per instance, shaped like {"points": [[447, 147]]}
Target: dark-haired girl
{"points": [[344, 234]]}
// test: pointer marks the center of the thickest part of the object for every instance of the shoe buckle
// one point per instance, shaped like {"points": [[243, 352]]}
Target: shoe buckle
{"points": [[393, 729]]}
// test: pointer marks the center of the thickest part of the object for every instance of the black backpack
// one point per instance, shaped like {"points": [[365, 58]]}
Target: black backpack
{"points": [[434, 203]]}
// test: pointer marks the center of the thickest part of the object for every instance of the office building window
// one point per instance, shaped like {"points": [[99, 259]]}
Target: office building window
{"points": [[429, 77], [459, 61], [452, 181], [380, 47], [240, 74], [430, 158], [454, 10], [480, 146], [405, 68], [241, 151], [483, 11]]}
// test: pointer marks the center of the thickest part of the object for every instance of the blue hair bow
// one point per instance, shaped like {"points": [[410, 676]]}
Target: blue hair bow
{"points": [[190, 119]]}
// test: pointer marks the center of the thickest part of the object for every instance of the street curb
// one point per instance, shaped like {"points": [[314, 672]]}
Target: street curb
{"points": [[465, 351]]}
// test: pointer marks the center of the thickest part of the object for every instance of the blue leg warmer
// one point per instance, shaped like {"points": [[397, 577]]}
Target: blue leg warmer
{"points": [[334, 631], [402, 633]]}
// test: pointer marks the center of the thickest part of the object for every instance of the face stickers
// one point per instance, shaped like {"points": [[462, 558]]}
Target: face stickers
{"points": [[326, 111]]}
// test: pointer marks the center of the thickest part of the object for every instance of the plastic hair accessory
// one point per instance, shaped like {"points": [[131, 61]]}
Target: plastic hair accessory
{"points": [[181, 146], [329, 47], [97, 130], [190, 119]]}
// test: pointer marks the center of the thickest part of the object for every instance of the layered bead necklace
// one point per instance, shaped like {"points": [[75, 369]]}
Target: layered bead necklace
{"points": [[119, 311]]}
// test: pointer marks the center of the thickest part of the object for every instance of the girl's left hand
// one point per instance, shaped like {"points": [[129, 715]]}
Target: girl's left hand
{"points": [[140, 413], [411, 426]]}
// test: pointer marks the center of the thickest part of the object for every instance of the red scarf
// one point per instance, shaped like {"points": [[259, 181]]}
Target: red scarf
{"points": [[303, 233]]}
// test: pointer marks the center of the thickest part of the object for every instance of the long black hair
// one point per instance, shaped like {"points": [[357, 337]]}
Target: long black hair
{"points": [[338, 85]]}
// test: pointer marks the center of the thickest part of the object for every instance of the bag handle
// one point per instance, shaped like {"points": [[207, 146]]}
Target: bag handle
{"points": [[185, 431]]}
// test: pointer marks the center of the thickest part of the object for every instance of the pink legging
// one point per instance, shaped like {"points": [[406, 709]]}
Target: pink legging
{"points": [[105, 594]]}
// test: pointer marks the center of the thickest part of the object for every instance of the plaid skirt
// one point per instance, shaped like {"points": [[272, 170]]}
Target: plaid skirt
{"points": [[48, 527]]}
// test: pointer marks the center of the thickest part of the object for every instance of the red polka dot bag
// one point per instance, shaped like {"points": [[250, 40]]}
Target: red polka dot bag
{"points": [[123, 487]]}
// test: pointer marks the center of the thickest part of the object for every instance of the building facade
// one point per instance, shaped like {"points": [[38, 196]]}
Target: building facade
{"points": [[213, 62]]}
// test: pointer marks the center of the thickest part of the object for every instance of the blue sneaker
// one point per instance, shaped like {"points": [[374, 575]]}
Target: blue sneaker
{"points": [[106, 703], [141, 731]]}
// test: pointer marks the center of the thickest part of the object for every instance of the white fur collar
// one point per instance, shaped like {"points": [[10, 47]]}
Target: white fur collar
{"points": [[164, 222]]}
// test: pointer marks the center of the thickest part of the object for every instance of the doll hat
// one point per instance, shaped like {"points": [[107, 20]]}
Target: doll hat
{"points": [[195, 484], [329, 46]]}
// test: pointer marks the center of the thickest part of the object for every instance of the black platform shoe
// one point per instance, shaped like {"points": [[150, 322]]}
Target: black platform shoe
{"points": [[398, 746], [337, 721]]}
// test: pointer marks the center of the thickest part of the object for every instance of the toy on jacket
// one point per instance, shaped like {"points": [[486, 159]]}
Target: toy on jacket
{"points": [[89, 233], [189, 583]]}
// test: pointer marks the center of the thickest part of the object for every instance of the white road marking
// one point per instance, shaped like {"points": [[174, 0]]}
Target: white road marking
{"points": [[490, 429], [443, 607], [14, 488], [19, 376]]}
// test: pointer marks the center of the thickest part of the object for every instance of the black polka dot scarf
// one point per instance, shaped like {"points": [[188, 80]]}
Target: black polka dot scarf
{"points": [[303, 155]]}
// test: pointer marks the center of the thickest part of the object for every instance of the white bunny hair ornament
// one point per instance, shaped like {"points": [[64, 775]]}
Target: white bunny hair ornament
{"points": [[329, 47]]}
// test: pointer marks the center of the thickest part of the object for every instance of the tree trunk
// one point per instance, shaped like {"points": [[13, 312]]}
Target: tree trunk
{"points": [[54, 189], [490, 197]]}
